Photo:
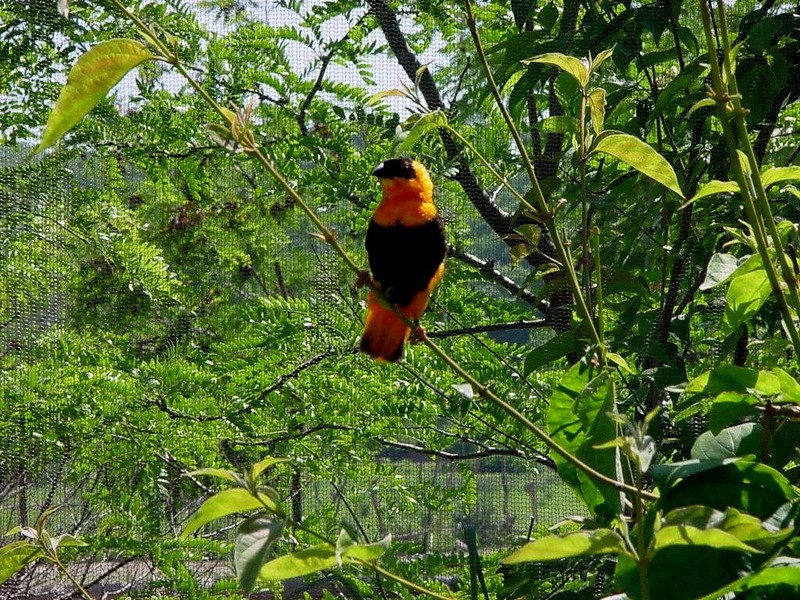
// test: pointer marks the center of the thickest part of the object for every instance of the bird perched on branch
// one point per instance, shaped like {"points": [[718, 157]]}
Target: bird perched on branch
{"points": [[406, 248]]}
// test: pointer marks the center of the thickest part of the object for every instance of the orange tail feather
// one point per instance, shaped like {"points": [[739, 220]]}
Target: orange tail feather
{"points": [[384, 332]]}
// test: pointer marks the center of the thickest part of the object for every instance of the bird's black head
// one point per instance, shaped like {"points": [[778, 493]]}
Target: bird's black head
{"points": [[395, 167]]}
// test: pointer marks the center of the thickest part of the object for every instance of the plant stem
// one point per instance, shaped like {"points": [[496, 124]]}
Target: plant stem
{"points": [[545, 212], [53, 557], [642, 561], [751, 187]]}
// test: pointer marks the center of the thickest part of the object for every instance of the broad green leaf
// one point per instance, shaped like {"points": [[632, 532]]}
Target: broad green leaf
{"points": [[88, 82], [790, 388], [746, 295], [255, 538], [227, 474], [265, 464], [640, 156], [742, 484], [720, 268], [601, 57], [705, 102], [577, 418], [686, 535], [728, 408], [300, 563], [67, 539], [667, 476], [730, 378], [569, 545], [347, 548], [569, 64], [597, 108], [779, 175], [17, 555], [419, 127], [739, 440], [715, 187], [226, 503]]}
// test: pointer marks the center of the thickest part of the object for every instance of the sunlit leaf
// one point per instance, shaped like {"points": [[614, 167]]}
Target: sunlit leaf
{"points": [[640, 156], [779, 175], [17, 555], [570, 545], [597, 108], [265, 464], [255, 538], [746, 295], [568, 64], [300, 563], [720, 268], [89, 80], [226, 503], [422, 125], [715, 187]]}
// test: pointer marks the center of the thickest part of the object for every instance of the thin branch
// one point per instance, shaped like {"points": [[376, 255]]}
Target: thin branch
{"points": [[452, 455], [487, 268], [523, 324]]}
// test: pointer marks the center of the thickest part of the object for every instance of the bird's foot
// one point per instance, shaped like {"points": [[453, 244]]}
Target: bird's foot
{"points": [[362, 279]]}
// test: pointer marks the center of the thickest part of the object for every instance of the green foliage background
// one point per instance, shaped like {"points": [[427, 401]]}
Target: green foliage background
{"points": [[164, 307]]}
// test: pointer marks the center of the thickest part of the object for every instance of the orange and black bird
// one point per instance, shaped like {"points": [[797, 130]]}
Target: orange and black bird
{"points": [[406, 248]]}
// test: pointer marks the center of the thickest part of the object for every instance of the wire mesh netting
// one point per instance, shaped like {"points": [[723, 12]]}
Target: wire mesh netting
{"points": [[167, 306], [124, 254]]}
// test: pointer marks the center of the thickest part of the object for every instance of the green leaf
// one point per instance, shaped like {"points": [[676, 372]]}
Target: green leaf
{"points": [[705, 102], [577, 418], [640, 156], [418, 127], [743, 484], [569, 545], [265, 464], [779, 175], [715, 187], [226, 474], [730, 378], [89, 80], [597, 108], [347, 548], [226, 503], [601, 57], [568, 64], [255, 538], [17, 555], [728, 408], [300, 563], [790, 388], [686, 535], [746, 295], [739, 440], [720, 268]]}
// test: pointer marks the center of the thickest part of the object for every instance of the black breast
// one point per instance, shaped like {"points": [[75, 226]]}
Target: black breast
{"points": [[404, 259]]}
